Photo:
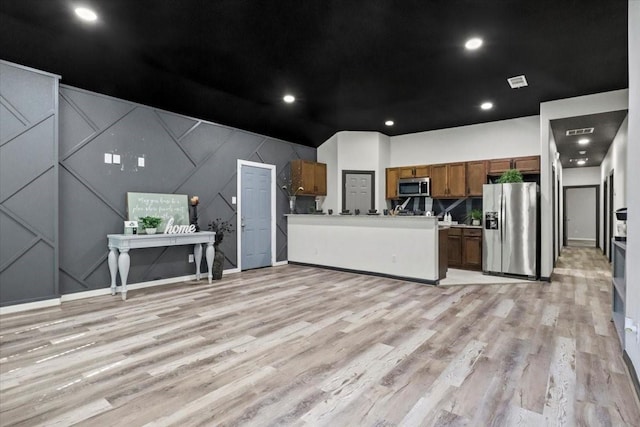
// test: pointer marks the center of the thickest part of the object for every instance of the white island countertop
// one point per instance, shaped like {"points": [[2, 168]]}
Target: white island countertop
{"points": [[403, 247]]}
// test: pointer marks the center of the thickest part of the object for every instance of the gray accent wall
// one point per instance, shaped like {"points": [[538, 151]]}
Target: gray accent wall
{"points": [[182, 155], [56, 191], [28, 185]]}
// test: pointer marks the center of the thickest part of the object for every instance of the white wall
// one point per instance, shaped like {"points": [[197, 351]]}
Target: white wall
{"points": [[359, 151], [505, 138], [328, 153], [632, 347], [570, 107], [581, 176]]}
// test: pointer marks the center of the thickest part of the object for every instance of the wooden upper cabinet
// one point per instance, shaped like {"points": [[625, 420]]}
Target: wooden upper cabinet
{"points": [[311, 176], [405, 172], [439, 181], [421, 171], [448, 180], [391, 175], [527, 164], [476, 177], [320, 179], [530, 164], [456, 176], [497, 166]]}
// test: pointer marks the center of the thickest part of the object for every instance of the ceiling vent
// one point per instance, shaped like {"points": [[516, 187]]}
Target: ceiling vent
{"points": [[517, 82], [583, 131]]}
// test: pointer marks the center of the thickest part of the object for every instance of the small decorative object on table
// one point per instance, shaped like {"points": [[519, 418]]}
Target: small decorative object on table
{"points": [[195, 200], [291, 191], [219, 227], [150, 223], [476, 216]]}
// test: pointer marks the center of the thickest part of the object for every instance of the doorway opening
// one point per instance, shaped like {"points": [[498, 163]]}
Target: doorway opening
{"points": [[581, 215], [358, 190], [609, 215]]}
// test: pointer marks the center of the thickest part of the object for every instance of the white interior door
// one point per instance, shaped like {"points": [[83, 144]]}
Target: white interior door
{"points": [[581, 216], [358, 192]]}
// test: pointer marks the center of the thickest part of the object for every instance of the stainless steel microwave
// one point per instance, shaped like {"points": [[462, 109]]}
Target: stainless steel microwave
{"points": [[411, 187]]}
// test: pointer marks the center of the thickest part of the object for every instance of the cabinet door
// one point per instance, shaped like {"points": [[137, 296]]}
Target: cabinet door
{"points": [[406, 172], [455, 251], [527, 164], [320, 179], [422, 171], [392, 183], [472, 252], [476, 177], [457, 184], [497, 166], [439, 181]]}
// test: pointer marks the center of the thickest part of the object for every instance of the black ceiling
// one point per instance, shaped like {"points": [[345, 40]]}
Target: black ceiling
{"points": [[352, 64], [605, 127]]}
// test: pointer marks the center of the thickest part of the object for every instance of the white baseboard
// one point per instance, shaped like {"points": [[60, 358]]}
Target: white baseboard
{"points": [[103, 291], [279, 263], [29, 306], [579, 239]]}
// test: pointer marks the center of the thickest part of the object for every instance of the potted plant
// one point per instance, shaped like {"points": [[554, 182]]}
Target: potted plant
{"points": [[476, 216], [510, 176], [150, 223], [220, 227]]}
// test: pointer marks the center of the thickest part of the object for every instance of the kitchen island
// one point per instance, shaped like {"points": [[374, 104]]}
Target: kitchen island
{"points": [[403, 247]]}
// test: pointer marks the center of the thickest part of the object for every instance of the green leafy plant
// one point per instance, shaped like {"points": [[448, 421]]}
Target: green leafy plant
{"points": [[510, 176], [220, 227], [475, 214], [150, 221]]}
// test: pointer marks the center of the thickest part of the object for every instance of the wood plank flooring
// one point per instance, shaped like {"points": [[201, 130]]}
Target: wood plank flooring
{"points": [[301, 346]]}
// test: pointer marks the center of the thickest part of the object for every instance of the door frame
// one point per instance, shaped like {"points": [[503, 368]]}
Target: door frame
{"points": [[358, 172], [272, 168], [610, 213], [564, 211]]}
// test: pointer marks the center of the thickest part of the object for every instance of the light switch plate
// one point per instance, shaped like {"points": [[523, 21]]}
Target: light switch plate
{"points": [[116, 159], [108, 158], [140, 162], [233, 200]]}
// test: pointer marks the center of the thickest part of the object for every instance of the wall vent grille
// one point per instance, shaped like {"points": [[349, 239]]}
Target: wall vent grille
{"points": [[583, 131]]}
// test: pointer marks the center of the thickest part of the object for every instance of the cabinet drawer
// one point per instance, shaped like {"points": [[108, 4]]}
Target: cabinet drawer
{"points": [[477, 232], [455, 231]]}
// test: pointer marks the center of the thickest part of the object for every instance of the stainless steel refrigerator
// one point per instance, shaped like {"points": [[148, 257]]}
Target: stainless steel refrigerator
{"points": [[510, 238]]}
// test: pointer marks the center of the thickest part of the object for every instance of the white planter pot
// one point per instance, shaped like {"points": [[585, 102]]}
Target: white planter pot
{"points": [[475, 222], [150, 230]]}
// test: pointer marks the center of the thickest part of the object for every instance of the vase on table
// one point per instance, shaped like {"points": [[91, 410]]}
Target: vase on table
{"points": [[150, 230], [292, 204]]}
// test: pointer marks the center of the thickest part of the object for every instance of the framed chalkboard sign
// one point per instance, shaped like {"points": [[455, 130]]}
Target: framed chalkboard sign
{"points": [[164, 206]]}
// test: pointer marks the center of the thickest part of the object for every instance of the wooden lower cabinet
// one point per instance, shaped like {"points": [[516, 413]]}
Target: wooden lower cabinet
{"points": [[454, 248], [465, 248], [443, 253], [472, 248]]}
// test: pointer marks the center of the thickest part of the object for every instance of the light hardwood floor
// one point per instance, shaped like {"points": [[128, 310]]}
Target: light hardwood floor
{"points": [[293, 345]]}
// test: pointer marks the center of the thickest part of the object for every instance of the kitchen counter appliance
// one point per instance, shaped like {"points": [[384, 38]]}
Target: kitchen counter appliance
{"points": [[510, 239], [414, 187]]}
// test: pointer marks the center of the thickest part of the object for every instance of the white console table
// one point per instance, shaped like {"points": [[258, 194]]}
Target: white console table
{"points": [[120, 244]]}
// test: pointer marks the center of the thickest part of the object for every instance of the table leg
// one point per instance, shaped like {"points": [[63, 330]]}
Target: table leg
{"points": [[123, 264], [197, 256], [210, 253], [113, 268]]}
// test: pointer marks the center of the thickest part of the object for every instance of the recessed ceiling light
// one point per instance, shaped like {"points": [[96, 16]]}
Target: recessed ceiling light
{"points": [[582, 152], [581, 162], [473, 44], [86, 14], [584, 141], [486, 105], [389, 123], [289, 99]]}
